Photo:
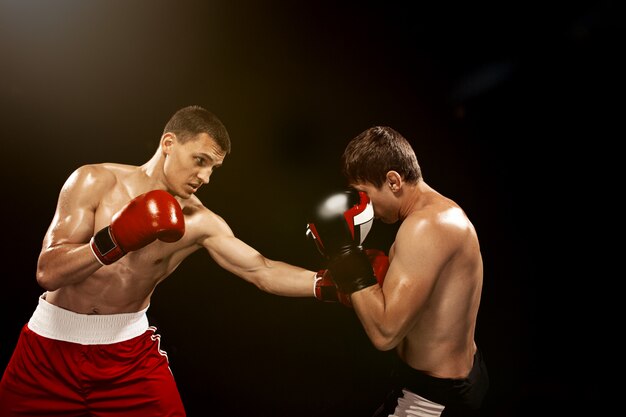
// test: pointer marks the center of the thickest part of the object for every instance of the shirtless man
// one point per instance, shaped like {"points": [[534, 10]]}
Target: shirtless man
{"points": [[119, 231], [427, 305]]}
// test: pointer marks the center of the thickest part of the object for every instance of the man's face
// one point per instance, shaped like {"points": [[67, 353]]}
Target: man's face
{"points": [[189, 165], [382, 200]]}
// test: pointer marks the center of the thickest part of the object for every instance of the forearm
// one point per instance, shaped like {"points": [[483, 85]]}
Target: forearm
{"points": [[64, 265], [284, 279], [372, 310], [275, 277]]}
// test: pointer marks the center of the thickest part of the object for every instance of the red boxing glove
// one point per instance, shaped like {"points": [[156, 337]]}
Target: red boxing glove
{"points": [[380, 263], [150, 216], [326, 290]]}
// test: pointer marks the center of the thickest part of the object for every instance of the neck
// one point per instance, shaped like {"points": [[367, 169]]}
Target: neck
{"points": [[413, 198], [153, 170], [154, 165]]}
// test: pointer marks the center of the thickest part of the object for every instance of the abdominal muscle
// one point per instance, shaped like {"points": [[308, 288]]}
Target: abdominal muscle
{"points": [[123, 287]]}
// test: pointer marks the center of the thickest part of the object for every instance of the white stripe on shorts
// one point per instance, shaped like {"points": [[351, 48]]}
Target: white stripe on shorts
{"points": [[412, 405]]}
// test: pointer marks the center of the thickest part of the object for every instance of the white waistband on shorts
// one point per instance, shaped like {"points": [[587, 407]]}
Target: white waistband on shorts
{"points": [[411, 404], [57, 323]]}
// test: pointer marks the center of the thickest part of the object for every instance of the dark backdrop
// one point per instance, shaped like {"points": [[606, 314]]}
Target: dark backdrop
{"points": [[506, 103]]}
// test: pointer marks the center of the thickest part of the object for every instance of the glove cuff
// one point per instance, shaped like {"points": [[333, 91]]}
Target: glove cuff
{"points": [[322, 291], [104, 247], [352, 271]]}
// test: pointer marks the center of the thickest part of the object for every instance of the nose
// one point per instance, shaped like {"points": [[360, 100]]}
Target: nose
{"points": [[204, 176]]}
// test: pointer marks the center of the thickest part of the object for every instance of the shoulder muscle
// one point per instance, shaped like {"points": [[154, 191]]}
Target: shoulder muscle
{"points": [[80, 195]]}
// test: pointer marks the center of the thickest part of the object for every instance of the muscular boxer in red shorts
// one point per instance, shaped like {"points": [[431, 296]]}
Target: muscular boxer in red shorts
{"points": [[118, 231]]}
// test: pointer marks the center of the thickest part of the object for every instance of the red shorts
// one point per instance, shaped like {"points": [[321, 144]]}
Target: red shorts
{"points": [[71, 372]]}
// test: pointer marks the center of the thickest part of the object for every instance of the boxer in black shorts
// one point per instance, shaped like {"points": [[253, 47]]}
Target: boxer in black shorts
{"points": [[425, 307]]}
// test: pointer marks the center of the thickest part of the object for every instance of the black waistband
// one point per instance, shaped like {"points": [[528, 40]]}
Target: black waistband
{"points": [[465, 392]]}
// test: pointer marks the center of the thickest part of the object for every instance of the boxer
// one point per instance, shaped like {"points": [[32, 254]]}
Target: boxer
{"points": [[426, 306], [118, 231]]}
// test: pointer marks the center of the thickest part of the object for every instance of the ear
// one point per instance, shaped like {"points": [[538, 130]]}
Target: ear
{"points": [[394, 181], [167, 141]]}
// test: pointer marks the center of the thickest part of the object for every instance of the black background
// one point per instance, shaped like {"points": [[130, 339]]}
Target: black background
{"points": [[509, 106]]}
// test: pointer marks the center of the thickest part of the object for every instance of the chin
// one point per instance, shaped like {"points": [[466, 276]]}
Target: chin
{"points": [[184, 192]]}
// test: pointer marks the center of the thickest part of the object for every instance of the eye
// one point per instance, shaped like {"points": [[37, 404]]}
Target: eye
{"points": [[200, 161]]}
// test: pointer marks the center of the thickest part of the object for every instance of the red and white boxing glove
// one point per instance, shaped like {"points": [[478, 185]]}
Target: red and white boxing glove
{"points": [[326, 290], [335, 224], [150, 216]]}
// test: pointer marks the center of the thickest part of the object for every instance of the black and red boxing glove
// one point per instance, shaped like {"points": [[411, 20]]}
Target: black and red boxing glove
{"points": [[150, 216], [340, 216], [336, 225], [326, 290]]}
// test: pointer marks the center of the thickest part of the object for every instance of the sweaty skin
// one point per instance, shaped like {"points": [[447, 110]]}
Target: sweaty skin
{"points": [[76, 281], [429, 301]]}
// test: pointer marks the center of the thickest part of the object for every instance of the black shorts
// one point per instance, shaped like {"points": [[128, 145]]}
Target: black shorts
{"points": [[413, 389]]}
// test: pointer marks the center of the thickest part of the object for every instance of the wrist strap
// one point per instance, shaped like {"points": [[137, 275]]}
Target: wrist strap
{"points": [[316, 278], [104, 247]]}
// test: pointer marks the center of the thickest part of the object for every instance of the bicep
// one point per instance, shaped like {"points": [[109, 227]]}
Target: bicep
{"points": [[73, 220], [418, 259]]}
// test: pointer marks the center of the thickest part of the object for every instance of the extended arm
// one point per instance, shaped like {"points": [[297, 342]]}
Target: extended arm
{"points": [[239, 258]]}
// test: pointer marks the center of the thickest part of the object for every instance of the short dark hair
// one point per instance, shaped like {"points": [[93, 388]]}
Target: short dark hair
{"points": [[374, 152], [191, 121]]}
